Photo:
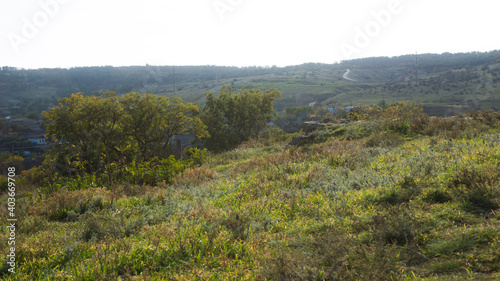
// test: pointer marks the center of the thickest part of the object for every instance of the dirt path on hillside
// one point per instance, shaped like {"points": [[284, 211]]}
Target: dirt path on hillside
{"points": [[347, 73]]}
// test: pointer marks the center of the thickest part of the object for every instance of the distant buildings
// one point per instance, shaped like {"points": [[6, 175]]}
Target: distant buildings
{"points": [[28, 130], [333, 110], [35, 139], [348, 108]]}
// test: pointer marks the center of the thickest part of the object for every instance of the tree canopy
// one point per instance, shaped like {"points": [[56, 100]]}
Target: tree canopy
{"points": [[95, 133], [236, 117]]}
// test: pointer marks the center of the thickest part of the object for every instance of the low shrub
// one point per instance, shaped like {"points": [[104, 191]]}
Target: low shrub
{"points": [[490, 119], [395, 226], [32, 224], [150, 172], [478, 189], [98, 227], [323, 134], [387, 139], [342, 132], [401, 126], [196, 156], [4, 184], [275, 134], [404, 192], [449, 127], [154, 171], [127, 189], [238, 225], [438, 195], [60, 204]]}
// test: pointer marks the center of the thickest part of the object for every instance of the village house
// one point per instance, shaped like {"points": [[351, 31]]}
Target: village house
{"points": [[32, 130], [332, 110]]}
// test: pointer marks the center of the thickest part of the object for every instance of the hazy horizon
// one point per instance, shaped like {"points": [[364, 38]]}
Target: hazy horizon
{"points": [[241, 66], [75, 33]]}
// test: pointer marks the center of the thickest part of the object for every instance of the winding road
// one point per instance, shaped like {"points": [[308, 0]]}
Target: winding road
{"points": [[347, 73]]}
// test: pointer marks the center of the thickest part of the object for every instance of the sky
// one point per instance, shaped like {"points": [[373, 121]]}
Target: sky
{"points": [[72, 33]]}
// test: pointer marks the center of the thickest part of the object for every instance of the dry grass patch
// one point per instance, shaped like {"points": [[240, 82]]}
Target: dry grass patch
{"points": [[64, 202], [194, 177], [127, 190]]}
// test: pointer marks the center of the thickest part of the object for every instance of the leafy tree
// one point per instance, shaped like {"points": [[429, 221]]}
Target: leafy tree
{"points": [[10, 160], [356, 115], [399, 116], [236, 117], [382, 104], [320, 111], [296, 110], [404, 111], [88, 130], [4, 126], [104, 134], [33, 115], [152, 121]]}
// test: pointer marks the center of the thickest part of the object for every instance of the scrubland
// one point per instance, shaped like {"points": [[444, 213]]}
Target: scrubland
{"points": [[413, 199]]}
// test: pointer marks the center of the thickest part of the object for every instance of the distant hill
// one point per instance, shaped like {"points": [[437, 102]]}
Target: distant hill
{"points": [[444, 83]]}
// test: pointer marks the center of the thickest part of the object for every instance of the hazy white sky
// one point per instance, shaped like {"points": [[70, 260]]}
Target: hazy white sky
{"points": [[67, 33]]}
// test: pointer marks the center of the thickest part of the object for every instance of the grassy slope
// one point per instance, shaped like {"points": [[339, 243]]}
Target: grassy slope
{"points": [[336, 209]]}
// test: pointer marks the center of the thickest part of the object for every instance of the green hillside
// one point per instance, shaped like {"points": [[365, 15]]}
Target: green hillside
{"points": [[374, 200]]}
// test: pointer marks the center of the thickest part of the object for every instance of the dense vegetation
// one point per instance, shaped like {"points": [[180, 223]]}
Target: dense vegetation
{"points": [[106, 138], [110, 139], [236, 117], [397, 195]]}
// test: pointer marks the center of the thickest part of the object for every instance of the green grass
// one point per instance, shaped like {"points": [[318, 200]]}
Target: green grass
{"points": [[424, 208]]}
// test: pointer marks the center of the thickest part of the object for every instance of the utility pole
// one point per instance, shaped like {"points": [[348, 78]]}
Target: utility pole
{"points": [[416, 66], [174, 80]]}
